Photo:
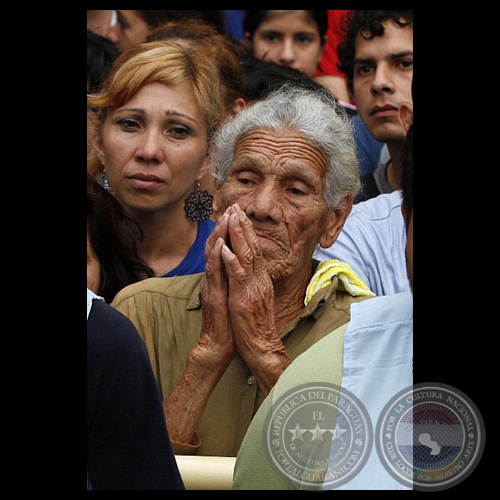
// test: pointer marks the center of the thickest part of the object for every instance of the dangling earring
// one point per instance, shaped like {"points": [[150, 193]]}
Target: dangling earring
{"points": [[198, 205], [104, 180]]}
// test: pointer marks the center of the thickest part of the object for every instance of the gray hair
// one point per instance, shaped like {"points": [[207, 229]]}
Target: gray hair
{"points": [[312, 113]]}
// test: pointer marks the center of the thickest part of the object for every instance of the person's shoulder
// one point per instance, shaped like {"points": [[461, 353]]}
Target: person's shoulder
{"points": [[148, 284], [393, 298], [107, 327], [378, 207], [397, 305], [107, 317], [342, 301], [181, 287]]}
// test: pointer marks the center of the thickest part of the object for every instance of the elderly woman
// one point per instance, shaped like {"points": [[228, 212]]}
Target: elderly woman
{"points": [[286, 173]]}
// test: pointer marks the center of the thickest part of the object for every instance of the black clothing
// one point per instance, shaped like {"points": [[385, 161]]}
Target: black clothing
{"points": [[128, 447]]}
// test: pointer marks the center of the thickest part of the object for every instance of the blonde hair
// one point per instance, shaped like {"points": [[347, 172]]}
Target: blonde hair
{"points": [[219, 48], [159, 62]]}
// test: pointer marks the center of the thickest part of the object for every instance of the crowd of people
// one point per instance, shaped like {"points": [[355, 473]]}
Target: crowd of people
{"points": [[249, 219]]}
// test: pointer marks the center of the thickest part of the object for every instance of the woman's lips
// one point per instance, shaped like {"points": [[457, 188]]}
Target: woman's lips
{"points": [[142, 181]]}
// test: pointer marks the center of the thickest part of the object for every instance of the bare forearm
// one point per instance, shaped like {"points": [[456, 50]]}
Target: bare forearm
{"points": [[186, 403]]}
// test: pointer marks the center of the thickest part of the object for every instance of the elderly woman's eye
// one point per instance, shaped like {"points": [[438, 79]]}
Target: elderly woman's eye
{"points": [[297, 191]]}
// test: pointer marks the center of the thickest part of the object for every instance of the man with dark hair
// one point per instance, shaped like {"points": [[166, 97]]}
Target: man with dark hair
{"points": [[377, 57]]}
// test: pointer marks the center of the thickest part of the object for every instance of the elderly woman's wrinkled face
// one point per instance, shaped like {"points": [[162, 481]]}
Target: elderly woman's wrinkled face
{"points": [[279, 182]]}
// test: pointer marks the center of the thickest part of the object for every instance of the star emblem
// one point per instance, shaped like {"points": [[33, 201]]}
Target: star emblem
{"points": [[337, 432], [297, 433], [317, 433]]}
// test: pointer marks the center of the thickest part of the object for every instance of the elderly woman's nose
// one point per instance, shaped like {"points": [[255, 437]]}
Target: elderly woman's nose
{"points": [[265, 202]]}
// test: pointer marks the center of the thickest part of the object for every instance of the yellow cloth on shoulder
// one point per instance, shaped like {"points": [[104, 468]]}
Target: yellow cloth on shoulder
{"points": [[349, 280]]}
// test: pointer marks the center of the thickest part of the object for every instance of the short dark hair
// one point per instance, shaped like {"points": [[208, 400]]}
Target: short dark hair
{"points": [[261, 77], [101, 53], [368, 23]]}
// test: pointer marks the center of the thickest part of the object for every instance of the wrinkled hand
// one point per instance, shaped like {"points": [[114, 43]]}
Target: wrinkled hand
{"points": [[208, 360], [251, 301], [216, 336], [238, 300]]}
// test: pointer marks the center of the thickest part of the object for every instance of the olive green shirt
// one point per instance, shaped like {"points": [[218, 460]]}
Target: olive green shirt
{"points": [[167, 313]]}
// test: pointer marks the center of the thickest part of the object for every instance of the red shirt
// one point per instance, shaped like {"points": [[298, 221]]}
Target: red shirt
{"points": [[328, 64]]}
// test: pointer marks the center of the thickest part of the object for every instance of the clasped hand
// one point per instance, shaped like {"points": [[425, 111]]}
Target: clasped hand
{"points": [[238, 299]]}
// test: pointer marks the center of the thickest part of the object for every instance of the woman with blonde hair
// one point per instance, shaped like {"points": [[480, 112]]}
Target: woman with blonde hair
{"points": [[156, 114]]}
